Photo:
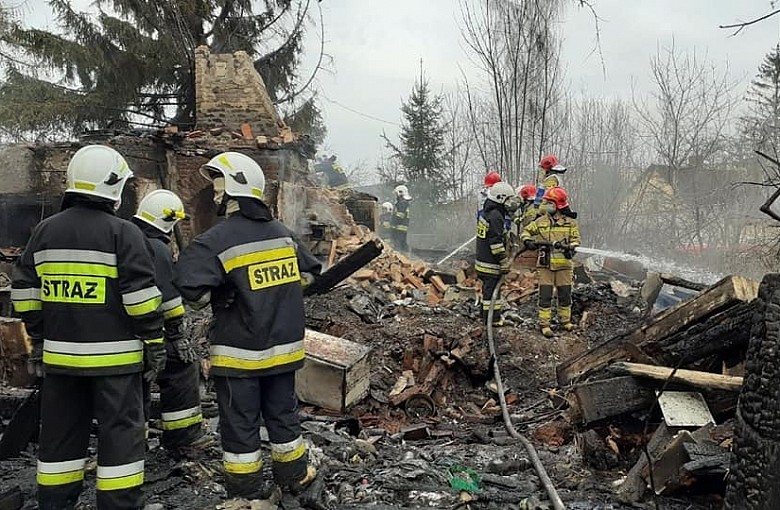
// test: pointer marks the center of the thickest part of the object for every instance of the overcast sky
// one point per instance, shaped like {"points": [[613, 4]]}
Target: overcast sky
{"points": [[376, 46]]}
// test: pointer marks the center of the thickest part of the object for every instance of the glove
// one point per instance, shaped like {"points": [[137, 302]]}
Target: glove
{"points": [[569, 252], [558, 245], [181, 343], [35, 360], [530, 244], [307, 279], [154, 359], [506, 265]]}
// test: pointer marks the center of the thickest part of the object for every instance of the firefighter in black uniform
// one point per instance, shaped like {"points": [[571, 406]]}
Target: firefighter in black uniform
{"points": [[182, 420], [400, 220], [252, 272], [85, 288], [492, 258]]}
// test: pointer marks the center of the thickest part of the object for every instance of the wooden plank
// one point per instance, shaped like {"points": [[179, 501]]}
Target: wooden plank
{"points": [[671, 279], [634, 486], [598, 400], [729, 291], [599, 356], [726, 293], [666, 470], [693, 378]]}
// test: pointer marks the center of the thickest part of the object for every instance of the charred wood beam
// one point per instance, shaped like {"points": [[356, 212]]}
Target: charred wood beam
{"points": [[723, 333], [755, 460], [345, 268]]}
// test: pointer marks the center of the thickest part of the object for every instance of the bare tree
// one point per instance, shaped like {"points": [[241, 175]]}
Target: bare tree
{"points": [[461, 173], [516, 45], [686, 122]]}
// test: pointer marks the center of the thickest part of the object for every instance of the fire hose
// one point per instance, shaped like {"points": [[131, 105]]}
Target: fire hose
{"points": [[537, 463]]}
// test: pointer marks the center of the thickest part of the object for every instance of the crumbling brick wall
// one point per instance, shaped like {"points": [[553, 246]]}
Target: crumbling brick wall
{"points": [[229, 92]]}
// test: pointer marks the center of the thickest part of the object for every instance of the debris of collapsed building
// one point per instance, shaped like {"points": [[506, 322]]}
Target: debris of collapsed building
{"points": [[393, 396]]}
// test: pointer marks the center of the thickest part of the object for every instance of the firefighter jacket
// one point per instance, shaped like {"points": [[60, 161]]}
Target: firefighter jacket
{"points": [[400, 220], [172, 306], [85, 287], [385, 223], [252, 266], [491, 239], [550, 229]]}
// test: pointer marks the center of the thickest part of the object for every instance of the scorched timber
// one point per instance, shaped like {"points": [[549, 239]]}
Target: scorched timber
{"points": [[723, 307], [755, 461]]}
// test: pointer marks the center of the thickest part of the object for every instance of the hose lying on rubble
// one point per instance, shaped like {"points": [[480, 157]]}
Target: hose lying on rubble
{"points": [[543, 476]]}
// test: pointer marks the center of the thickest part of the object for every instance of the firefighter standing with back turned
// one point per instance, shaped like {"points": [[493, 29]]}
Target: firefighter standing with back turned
{"points": [[400, 219], [556, 235], [492, 258], [158, 213], [85, 288], [252, 272]]}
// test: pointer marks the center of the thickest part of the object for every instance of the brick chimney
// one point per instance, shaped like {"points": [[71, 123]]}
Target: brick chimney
{"points": [[229, 92]]}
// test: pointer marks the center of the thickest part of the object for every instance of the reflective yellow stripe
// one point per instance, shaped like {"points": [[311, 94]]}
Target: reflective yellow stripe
{"points": [[241, 463], [124, 476], [60, 478], [402, 228], [28, 305], [486, 269], [60, 472], [94, 360], [174, 312], [242, 468], [121, 482], [88, 186], [289, 456], [183, 423], [144, 307], [76, 268], [257, 257], [260, 364], [154, 340]]}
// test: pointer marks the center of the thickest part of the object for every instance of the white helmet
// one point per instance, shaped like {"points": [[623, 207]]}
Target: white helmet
{"points": [[97, 171], [402, 191], [387, 207], [243, 176], [161, 209], [500, 192]]}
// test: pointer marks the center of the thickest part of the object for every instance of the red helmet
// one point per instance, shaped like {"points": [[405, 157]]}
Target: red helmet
{"points": [[557, 196], [491, 178], [550, 163], [527, 191]]}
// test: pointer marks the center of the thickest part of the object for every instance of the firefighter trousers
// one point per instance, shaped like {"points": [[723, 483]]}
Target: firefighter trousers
{"points": [[559, 280], [489, 284], [179, 402], [399, 240], [68, 404], [243, 403]]}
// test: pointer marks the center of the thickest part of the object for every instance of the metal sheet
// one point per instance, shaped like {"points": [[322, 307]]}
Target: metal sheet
{"points": [[684, 409]]}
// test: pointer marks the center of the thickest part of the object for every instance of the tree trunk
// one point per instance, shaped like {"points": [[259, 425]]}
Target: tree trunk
{"points": [[754, 482]]}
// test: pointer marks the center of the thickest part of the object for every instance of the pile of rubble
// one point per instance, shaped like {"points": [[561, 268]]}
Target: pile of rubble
{"points": [[400, 277], [665, 391]]}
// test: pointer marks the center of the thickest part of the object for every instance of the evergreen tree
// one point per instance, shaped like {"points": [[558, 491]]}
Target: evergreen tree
{"points": [[134, 59], [762, 124], [422, 146]]}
